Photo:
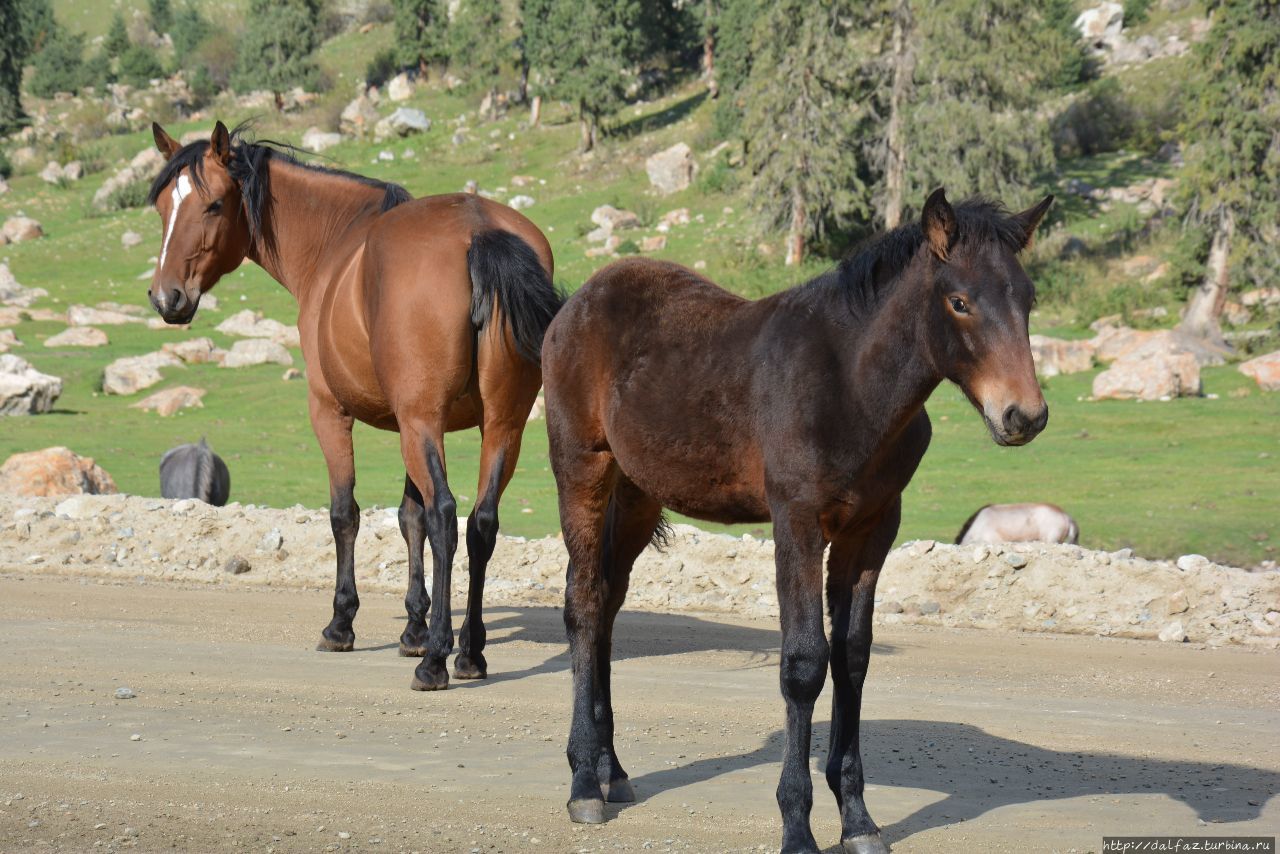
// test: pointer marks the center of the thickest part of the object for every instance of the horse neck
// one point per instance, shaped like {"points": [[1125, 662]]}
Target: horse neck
{"points": [[889, 367], [306, 217]]}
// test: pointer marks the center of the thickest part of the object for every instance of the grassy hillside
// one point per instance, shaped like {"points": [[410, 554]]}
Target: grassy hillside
{"points": [[1164, 478]]}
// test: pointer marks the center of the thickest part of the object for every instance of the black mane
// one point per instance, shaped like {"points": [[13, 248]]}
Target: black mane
{"points": [[872, 265], [248, 168]]}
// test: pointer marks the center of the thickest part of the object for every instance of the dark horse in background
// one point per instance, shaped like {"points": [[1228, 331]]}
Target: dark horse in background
{"points": [[420, 316], [195, 471], [806, 408]]}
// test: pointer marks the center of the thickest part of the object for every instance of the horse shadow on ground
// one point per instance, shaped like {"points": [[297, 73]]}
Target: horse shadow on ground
{"points": [[979, 772], [636, 634], [664, 117]]}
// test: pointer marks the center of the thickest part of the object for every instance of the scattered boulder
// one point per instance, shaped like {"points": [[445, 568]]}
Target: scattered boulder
{"points": [[12, 293], [1101, 25], [143, 167], [236, 565], [402, 122], [358, 117], [1151, 377], [679, 216], [1266, 298], [78, 336], [1173, 633], [55, 173], [519, 203], [250, 324], [54, 471], [291, 374], [318, 140], [20, 228], [132, 374], [130, 239], [83, 315], [1120, 342], [655, 243], [671, 170], [194, 351], [256, 351], [523, 180], [23, 389], [1054, 356], [170, 400], [7, 340], [612, 219], [400, 87], [1265, 371]]}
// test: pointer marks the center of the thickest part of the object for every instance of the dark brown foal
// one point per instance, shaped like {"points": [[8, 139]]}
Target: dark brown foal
{"points": [[421, 316], [806, 408]]}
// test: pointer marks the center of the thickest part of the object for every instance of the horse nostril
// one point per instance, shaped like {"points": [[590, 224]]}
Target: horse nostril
{"points": [[1041, 420], [1014, 421]]}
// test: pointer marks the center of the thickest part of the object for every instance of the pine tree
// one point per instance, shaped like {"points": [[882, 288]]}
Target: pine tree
{"points": [[275, 51], [160, 13], [28, 25], [421, 33], [584, 50], [59, 64], [117, 40], [732, 26], [982, 68], [478, 45], [1231, 181], [189, 29], [803, 106]]}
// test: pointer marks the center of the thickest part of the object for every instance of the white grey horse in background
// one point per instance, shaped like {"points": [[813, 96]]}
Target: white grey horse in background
{"points": [[195, 471], [1019, 523]]}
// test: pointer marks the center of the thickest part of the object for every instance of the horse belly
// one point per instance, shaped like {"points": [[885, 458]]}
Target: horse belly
{"points": [[347, 368], [700, 481]]}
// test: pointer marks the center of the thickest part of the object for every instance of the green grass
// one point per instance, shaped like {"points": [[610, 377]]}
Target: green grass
{"points": [[1190, 475]]}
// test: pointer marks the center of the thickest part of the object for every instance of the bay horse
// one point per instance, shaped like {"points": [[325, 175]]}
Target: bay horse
{"points": [[1019, 523], [805, 408], [419, 316]]}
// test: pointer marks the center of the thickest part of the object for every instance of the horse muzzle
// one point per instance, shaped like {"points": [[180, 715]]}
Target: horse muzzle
{"points": [[1015, 426], [174, 305]]}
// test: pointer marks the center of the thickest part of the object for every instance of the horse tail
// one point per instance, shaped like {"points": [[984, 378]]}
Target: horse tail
{"points": [[968, 523], [507, 274], [1073, 532]]}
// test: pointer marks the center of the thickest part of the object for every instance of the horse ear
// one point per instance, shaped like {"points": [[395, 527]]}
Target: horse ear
{"points": [[1030, 219], [939, 223], [220, 143], [166, 144]]}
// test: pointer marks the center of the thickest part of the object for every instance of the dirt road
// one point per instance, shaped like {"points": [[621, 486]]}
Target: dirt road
{"points": [[246, 739]]}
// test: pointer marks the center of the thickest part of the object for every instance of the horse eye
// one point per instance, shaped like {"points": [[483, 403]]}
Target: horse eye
{"points": [[215, 207], [959, 306]]}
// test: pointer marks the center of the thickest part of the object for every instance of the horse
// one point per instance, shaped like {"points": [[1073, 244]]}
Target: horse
{"points": [[806, 408], [1019, 523], [195, 471], [418, 316]]}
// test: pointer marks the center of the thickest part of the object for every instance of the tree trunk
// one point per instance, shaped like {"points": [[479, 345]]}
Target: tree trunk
{"points": [[587, 121], [795, 237], [1201, 319], [523, 86], [709, 51], [904, 64], [535, 111], [493, 103]]}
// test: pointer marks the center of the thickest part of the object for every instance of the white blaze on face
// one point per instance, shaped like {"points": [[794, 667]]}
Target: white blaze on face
{"points": [[180, 191]]}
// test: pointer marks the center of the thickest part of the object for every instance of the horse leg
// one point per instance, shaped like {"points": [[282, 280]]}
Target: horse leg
{"points": [[423, 449], [853, 569], [631, 519], [798, 555], [413, 527], [498, 455], [585, 483], [333, 430]]}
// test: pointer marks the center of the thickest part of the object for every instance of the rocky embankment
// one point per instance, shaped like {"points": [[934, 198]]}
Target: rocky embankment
{"points": [[1031, 587]]}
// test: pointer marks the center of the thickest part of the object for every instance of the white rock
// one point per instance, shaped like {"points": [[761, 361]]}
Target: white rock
{"points": [[130, 239], [612, 219], [83, 315], [402, 122], [79, 507], [249, 324], [1149, 377], [400, 87], [77, 336], [1101, 24], [12, 293], [256, 351], [134, 373], [521, 202], [1192, 562], [1173, 632], [671, 170], [23, 389], [19, 228], [1054, 356], [318, 140]]}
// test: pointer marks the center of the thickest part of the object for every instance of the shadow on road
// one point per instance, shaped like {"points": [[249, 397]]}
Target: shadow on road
{"points": [[979, 772], [637, 634]]}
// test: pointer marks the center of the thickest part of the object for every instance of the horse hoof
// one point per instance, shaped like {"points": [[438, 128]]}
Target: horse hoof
{"points": [[586, 811], [465, 668], [418, 685], [430, 676], [327, 645], [865, 843], [619, 791], [412, 651]]}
